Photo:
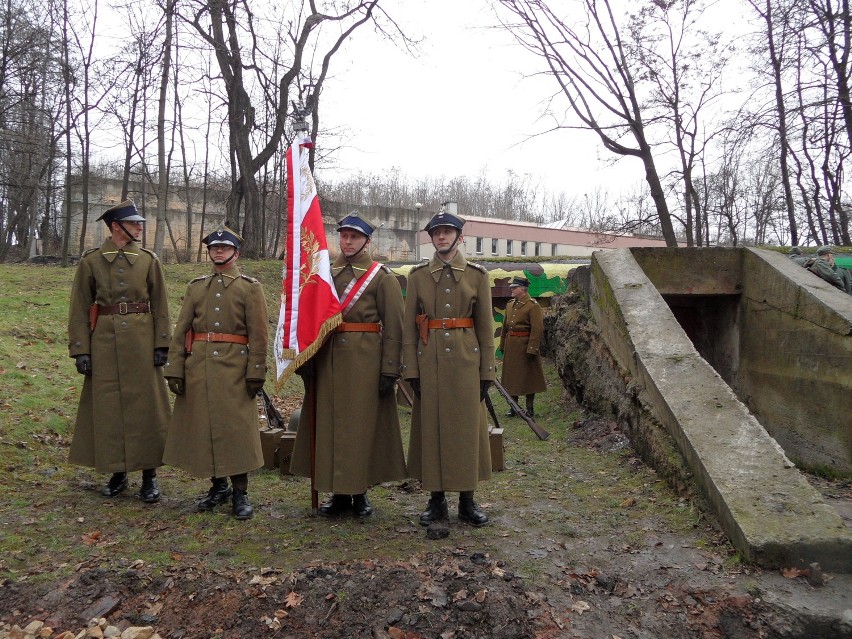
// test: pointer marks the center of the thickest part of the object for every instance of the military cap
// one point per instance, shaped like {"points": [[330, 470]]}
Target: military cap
{"points": [[519, 281], [825, 250], [795, 250], [124, 212], [223, 236], [442, 218], [353, 221]]}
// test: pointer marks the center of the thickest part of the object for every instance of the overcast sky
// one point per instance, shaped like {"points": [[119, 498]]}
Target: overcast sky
{"points": [[467, 103]]}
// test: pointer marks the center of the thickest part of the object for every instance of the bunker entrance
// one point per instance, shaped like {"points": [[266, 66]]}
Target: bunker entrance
{"points": [[710, 322]]}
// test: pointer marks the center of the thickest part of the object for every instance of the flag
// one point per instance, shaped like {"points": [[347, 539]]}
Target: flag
{"points": [[310, 308]]}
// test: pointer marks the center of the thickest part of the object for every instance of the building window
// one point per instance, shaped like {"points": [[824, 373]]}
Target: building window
{"points": [[523, 248], [479, 246], [553, 250], [494, 247], [537, 249], [508, 247]]}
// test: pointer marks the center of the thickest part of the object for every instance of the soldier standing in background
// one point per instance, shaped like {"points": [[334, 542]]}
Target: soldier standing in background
{"points": [[448, 357], [520, 340], [358, 441], [118, 329], [217, 366]]}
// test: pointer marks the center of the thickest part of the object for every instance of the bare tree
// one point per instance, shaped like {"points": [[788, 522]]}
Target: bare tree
{"points": [[776, 16], [224, 26], [590, 65]]}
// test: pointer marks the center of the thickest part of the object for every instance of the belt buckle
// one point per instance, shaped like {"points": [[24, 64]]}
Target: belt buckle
{"points": [[444, 321], [122, 308], [209, 336]]}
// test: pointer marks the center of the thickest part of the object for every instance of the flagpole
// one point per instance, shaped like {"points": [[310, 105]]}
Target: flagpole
{"points": [[312, 408]]}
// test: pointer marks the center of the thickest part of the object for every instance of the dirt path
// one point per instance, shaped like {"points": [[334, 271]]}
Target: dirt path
{"points": [[584, 541]]}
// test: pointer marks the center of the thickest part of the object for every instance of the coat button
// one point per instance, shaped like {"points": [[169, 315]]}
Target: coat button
{"points": [[215, 352], [123, 324], [446, 334], [218, 295], [475, 349], [448, 274], [242, 352], [216, 309], [216, 324], [77, 343], [447, 350], [446, 306], [121, 270], [257, 365], [447, 291]]}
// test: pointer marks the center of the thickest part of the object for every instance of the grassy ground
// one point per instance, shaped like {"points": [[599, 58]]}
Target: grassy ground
{"points": [[52, 518]]}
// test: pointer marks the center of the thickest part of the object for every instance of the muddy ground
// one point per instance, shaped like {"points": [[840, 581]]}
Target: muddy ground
{"points": [[586, 585]]}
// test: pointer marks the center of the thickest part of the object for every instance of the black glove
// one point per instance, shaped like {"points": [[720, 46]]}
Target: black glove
{"points": [[307, 370], [84, 364], [161, 356], [386, 385], [253, 386], [484, 385], [415, 386], [175, 385]]}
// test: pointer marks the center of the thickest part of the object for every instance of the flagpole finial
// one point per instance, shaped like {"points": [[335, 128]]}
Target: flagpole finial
{"points": [[300, 117]]}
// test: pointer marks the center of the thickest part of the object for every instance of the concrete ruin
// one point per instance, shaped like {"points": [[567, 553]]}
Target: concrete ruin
{"points": [[742, 361]]}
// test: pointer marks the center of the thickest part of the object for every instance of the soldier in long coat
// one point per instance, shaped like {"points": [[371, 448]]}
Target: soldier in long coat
{"points": [[520, 341], [118, 329], [217, 366], [358, 442], [448, 357]]}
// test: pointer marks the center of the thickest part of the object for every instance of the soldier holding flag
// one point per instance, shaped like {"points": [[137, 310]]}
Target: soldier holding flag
{"points": [[356, 430]]}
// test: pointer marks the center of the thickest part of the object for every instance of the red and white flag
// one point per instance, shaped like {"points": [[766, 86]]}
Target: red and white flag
{"points": [[310, 308]]}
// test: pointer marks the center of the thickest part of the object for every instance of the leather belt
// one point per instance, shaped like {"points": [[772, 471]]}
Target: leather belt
{"points": [[220, 337], [358, 327], [518, 333], [124, 308], [451, 322]]}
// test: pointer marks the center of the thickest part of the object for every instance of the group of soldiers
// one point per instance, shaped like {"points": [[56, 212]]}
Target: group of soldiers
{"points": [[439, 339], [823, 266]]}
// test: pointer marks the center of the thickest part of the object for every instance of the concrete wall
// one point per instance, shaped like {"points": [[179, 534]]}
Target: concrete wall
{"points": [[770, 512], [777, 334]]}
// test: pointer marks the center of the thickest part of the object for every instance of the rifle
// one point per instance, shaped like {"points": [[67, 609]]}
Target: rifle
{"points": [[401, 386], [538, 430], [491, 410], [273, 417]]}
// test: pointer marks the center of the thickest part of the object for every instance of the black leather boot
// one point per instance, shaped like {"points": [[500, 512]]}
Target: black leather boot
{"points": [[531, 405], [216, 496], [337, 505], [469, 510], [150, 491], [116, 485], [512, 412], [240, 507], [361, 505], [436, 509]]}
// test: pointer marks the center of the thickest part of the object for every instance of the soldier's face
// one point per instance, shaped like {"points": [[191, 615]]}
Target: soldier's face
{"points": [[134, 228], [444, 237], [351, 242], [517, 291], [221, 253]]}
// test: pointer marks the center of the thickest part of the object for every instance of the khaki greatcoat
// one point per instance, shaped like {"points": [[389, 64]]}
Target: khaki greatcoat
{"points": [[123, 412], [214, 428], [522, 372], [358, 441], [448, 448]]}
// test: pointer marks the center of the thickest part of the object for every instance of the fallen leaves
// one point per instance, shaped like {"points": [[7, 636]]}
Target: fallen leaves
{"points": [[91, 538], [293, 599]]}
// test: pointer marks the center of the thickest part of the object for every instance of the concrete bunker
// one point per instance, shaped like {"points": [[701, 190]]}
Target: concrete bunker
{"points": [[718, 343]]}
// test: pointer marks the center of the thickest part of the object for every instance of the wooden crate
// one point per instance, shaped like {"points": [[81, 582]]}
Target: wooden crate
{"points": [[495, 440], [285, 451], [269, 439]]}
